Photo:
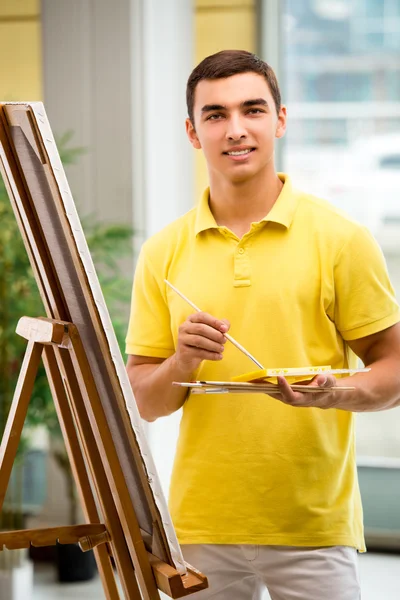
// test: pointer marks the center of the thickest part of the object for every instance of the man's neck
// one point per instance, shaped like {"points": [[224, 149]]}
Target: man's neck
{"points": [[237, 205]]}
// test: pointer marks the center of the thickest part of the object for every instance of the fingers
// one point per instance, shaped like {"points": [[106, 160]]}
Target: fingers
{"points": [[324, 381], [226, 323], [203, 340], [201, 337], [288, 395], [204, 331], [300, 399], [221, 325]]}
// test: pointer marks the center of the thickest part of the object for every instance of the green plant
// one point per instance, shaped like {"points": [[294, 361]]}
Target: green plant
{"points": [[19, 296]]}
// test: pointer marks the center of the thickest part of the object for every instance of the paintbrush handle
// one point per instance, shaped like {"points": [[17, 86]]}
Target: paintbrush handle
{"points": [[228, 337], [242, 349], [196, 308]]}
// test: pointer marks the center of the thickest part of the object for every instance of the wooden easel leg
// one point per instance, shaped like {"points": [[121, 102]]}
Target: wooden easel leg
{"points": [[121, 552], [79, 469], [17, 414], [98, 424]]}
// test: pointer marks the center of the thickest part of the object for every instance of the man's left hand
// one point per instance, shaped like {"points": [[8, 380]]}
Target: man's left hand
{"points": [[324, 399]]}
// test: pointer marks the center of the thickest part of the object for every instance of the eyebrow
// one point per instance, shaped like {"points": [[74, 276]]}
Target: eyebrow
{"points": [[245, 104]]}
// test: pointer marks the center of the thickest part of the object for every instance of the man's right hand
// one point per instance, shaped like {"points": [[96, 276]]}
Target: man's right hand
{"points": [[200, 337]]}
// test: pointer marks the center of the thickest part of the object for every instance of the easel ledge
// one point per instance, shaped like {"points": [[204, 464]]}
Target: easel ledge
{"points": [[90, 536]]}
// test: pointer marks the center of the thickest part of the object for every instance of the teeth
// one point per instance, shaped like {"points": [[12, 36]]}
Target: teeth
{"points": [[239, 152]]}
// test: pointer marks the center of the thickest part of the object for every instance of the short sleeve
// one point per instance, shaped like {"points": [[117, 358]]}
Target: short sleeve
{"points": [[365, 302], [149, 330]]}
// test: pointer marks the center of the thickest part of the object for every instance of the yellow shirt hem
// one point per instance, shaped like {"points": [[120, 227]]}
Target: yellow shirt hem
{"points": [[371, 328], [148, 351]]}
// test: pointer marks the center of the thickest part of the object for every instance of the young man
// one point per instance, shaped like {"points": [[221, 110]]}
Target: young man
{"points": [[264, 490]]}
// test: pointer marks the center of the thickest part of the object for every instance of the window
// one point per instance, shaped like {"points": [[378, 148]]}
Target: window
{"points": [[390, 162], [342, 88], [341, 82]]}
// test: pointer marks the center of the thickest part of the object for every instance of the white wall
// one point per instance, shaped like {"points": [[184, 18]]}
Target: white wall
{"points": [[86, 71], [163, 175]]}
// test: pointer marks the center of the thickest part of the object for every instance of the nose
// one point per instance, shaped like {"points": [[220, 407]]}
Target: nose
{"points": [[235, 130]]}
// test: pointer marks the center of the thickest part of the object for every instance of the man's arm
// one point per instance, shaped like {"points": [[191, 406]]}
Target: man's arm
{"points": [[379, 389], [201, 337], [151, 381]]}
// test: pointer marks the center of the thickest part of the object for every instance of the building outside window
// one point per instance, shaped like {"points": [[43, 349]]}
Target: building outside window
{"points": [[342, 85]]}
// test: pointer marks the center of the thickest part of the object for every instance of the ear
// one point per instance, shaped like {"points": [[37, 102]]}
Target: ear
{"points": [[192, 135], [281, 124]]}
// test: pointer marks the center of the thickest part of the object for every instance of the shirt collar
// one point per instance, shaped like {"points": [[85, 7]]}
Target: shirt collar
{"points": [[282, 211]]}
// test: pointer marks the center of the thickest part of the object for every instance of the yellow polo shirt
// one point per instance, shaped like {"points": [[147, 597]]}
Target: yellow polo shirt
{"points": [[306, 278]]}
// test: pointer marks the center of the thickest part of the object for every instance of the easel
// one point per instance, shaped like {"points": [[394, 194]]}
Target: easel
{"points": [[133, 528], [79, 413]]}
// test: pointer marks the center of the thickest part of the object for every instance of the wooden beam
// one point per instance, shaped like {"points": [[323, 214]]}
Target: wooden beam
{"points": [[42, 330], [17, 414], [80, 471], [172, 583], [14, 540]]}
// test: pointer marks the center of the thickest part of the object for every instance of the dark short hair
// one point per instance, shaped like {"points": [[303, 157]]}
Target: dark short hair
{"points": [[225, 64]]}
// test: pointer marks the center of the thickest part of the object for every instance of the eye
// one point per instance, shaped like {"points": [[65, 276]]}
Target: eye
{"points": [[215, 117], [254, 111]]}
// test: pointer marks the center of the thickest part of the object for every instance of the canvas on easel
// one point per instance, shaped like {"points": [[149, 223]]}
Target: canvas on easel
{"points": [[101, 426]]}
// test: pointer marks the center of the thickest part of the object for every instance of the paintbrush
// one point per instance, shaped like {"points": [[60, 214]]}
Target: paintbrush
{"points": [[228, 337]]}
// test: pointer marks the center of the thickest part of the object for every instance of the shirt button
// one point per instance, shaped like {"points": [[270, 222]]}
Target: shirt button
{"points": [[241, 250]]}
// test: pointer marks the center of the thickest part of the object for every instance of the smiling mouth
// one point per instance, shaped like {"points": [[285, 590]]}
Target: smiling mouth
{"points": [[240, 152]]}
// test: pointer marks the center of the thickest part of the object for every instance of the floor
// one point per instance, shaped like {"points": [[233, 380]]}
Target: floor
{"points": [[380, 579]]}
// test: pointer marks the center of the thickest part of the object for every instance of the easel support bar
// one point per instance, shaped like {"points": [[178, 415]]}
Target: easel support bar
{"points": [[14, 540], [42, 330]]}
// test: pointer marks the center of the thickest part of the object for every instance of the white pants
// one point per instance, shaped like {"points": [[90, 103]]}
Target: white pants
{"points": [[243, 572]]}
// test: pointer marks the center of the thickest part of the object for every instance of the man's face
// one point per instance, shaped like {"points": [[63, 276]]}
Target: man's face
{"points": [[235, 124]]}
